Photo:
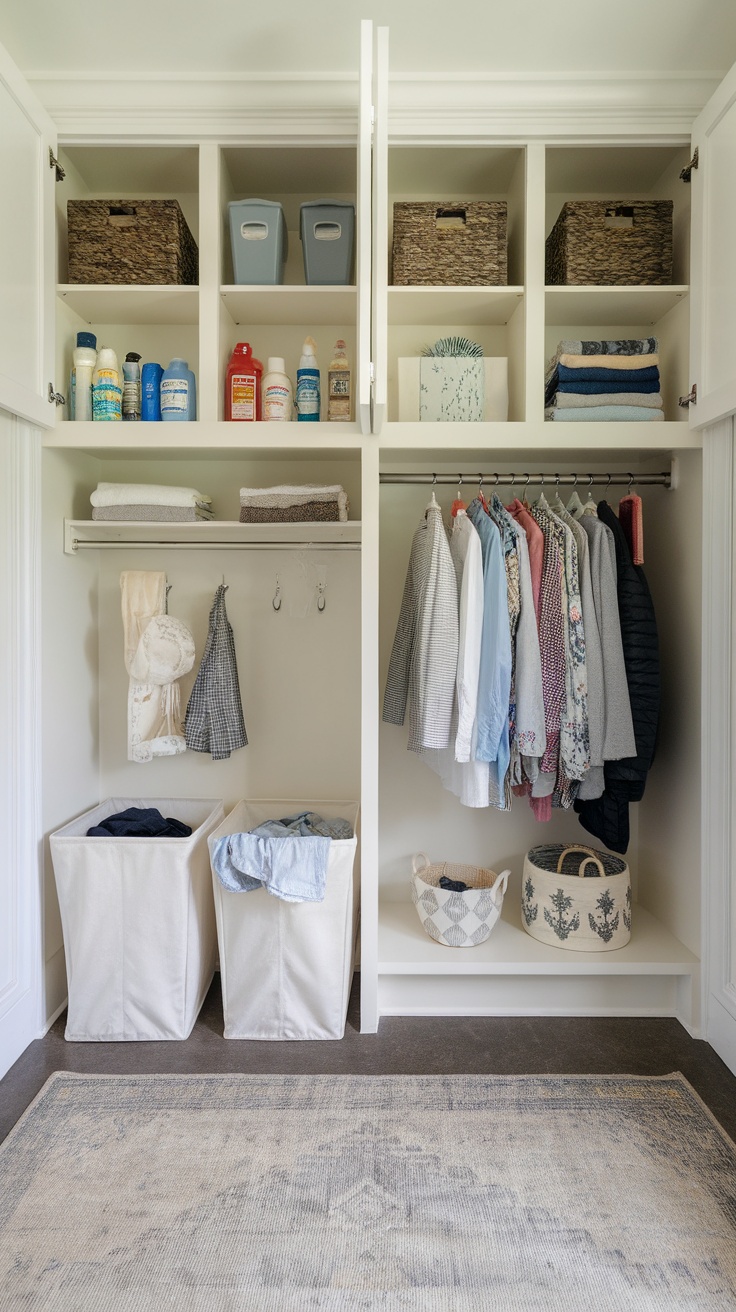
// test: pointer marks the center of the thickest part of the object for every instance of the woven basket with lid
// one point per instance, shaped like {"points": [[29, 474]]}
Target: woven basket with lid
{"points": [[576, 898]]}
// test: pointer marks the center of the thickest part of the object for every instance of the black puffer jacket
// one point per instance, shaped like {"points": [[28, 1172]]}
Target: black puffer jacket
{"points": [[607, 817]]}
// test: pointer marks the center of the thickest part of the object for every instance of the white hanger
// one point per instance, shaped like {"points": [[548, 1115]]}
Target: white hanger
{"points": [[433, 503]]}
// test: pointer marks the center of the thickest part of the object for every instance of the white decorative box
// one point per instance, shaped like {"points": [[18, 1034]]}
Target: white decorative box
{"points": [[450, 389]]}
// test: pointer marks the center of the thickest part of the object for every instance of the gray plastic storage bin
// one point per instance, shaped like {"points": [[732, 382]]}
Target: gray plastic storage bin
{"points": [[327, 230], [259, 241]]}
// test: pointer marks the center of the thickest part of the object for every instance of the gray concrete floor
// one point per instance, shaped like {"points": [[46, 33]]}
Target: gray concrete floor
{"points": [[496, 1045]]}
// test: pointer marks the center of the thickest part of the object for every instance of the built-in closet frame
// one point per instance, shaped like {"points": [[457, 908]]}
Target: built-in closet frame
{"points": [[396, 952]]}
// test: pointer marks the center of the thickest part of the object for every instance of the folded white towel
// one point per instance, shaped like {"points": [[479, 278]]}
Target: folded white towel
{"points": [[145, 494]]}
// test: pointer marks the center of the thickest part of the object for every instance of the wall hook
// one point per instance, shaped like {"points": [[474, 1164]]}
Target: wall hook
{"points": [[276, 603], [321, 601]]}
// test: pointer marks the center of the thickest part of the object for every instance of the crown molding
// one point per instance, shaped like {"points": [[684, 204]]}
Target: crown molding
{"points": [[274, 106]]}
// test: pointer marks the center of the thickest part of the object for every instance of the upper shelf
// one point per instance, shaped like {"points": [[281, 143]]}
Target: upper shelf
{"points": [[589, 306], [290, 304], [114, 303], [80, 533], [203, 440], [452, 305]]}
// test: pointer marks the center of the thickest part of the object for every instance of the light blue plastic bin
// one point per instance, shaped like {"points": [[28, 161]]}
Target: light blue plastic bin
{"points": [[327, 230], [259, 241]]}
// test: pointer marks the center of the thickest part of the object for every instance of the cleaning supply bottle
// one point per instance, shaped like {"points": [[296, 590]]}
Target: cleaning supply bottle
{"points": [[338, 383], [107, 392], [151, 375], [276, 391], [192, 414], [131, 386], [243, 385], [84, 359], [175, 391], [307, 383]]}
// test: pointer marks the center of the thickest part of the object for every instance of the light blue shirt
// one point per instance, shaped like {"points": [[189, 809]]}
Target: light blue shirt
{"points": [[494, 687]]}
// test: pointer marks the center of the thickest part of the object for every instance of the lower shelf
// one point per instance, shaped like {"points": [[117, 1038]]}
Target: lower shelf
{"points": [[405, 949]]}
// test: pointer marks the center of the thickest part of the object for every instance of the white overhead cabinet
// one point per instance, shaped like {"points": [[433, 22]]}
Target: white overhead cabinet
{"points": [[312, 680]]}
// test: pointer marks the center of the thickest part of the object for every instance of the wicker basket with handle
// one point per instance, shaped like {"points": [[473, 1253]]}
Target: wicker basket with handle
{"points": [[450, 244], [583, 905], [611, 243], [130, 241], [457, 918]]}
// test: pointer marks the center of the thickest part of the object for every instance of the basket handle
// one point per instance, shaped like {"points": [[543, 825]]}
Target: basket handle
{"points": [[504, 877], [590, 857], [420, 863]]}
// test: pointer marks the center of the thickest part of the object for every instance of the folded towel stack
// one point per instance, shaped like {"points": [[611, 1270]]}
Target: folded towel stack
{"points": [[605, 381], [149, 503], [294, 504]]}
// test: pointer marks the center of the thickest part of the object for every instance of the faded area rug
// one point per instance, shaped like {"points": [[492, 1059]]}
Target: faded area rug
{"points": [[288, 1193]]}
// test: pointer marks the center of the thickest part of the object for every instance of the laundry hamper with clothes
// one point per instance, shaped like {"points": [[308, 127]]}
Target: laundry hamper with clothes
{"points": [[286, 967], [139, 923], [576, 897]]}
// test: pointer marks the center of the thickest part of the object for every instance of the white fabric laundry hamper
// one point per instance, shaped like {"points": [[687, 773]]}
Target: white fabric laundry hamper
{"points": [[286, 967], [139, 923]]}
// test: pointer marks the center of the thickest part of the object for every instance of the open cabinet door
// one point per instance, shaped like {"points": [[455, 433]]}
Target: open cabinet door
{"points": [[712, 338], [27, 254], [713, 272], [363, 259], [380, 229]]}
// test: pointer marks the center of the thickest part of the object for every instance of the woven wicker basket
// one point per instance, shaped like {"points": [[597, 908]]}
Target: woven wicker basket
{"points": [[582, 905], [130, 241], [611, 243], [457, 919], [450, 244]]}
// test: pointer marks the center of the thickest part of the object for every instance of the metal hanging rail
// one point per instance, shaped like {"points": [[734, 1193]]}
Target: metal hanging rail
{"points": [[666, 479]]}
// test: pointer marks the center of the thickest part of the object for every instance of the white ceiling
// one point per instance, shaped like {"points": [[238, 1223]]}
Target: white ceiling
{"points": [[232, 36]]}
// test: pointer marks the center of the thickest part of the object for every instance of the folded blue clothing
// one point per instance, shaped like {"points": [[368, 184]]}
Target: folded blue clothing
{"points": [[591, 388], [598, 413], [580, 374], [293, 868]]}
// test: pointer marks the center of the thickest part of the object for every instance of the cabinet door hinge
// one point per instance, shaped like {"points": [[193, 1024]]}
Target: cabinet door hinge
{"points": [[55, 398], [691, 398], [54, 164], [685, 173]]}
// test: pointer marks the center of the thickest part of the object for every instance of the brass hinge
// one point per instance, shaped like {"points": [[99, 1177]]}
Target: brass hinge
{"points": [[686, 172], [690, 399], [55, 398], [54, 164]]}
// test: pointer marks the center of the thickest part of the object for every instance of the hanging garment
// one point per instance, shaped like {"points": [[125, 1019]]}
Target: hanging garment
{"points": [[456, 766], [631, 519], [552, 649], [214, 719], [499, 783], [154, 719], [593, 783], [531, 736], [535, 543], [618, 729], [494, 685], [423, 665], [608, 816]]}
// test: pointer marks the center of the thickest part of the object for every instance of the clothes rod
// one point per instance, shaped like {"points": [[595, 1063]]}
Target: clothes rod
{"points": [[522, 480], [80, 544]]}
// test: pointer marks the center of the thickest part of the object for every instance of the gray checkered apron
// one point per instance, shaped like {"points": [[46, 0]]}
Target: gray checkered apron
{"points": [[214, 719]]}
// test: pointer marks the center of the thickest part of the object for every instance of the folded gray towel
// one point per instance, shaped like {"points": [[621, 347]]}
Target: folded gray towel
{"points": [[573, 400], [152, 514]]}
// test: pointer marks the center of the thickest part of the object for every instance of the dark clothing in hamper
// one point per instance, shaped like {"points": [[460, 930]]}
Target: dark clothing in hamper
{"points": [[214, 719], [139, 822], [607, 817]]}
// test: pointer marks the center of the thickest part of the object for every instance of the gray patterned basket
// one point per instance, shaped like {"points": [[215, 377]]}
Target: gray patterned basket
{"points": [[130, 241], [450, 244], [611, 243], [457, 919], [582, 905]]}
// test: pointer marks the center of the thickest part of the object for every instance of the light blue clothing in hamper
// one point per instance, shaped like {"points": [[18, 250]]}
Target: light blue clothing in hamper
{"points": [[293, 869], [494, 685], [307, 824]]}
